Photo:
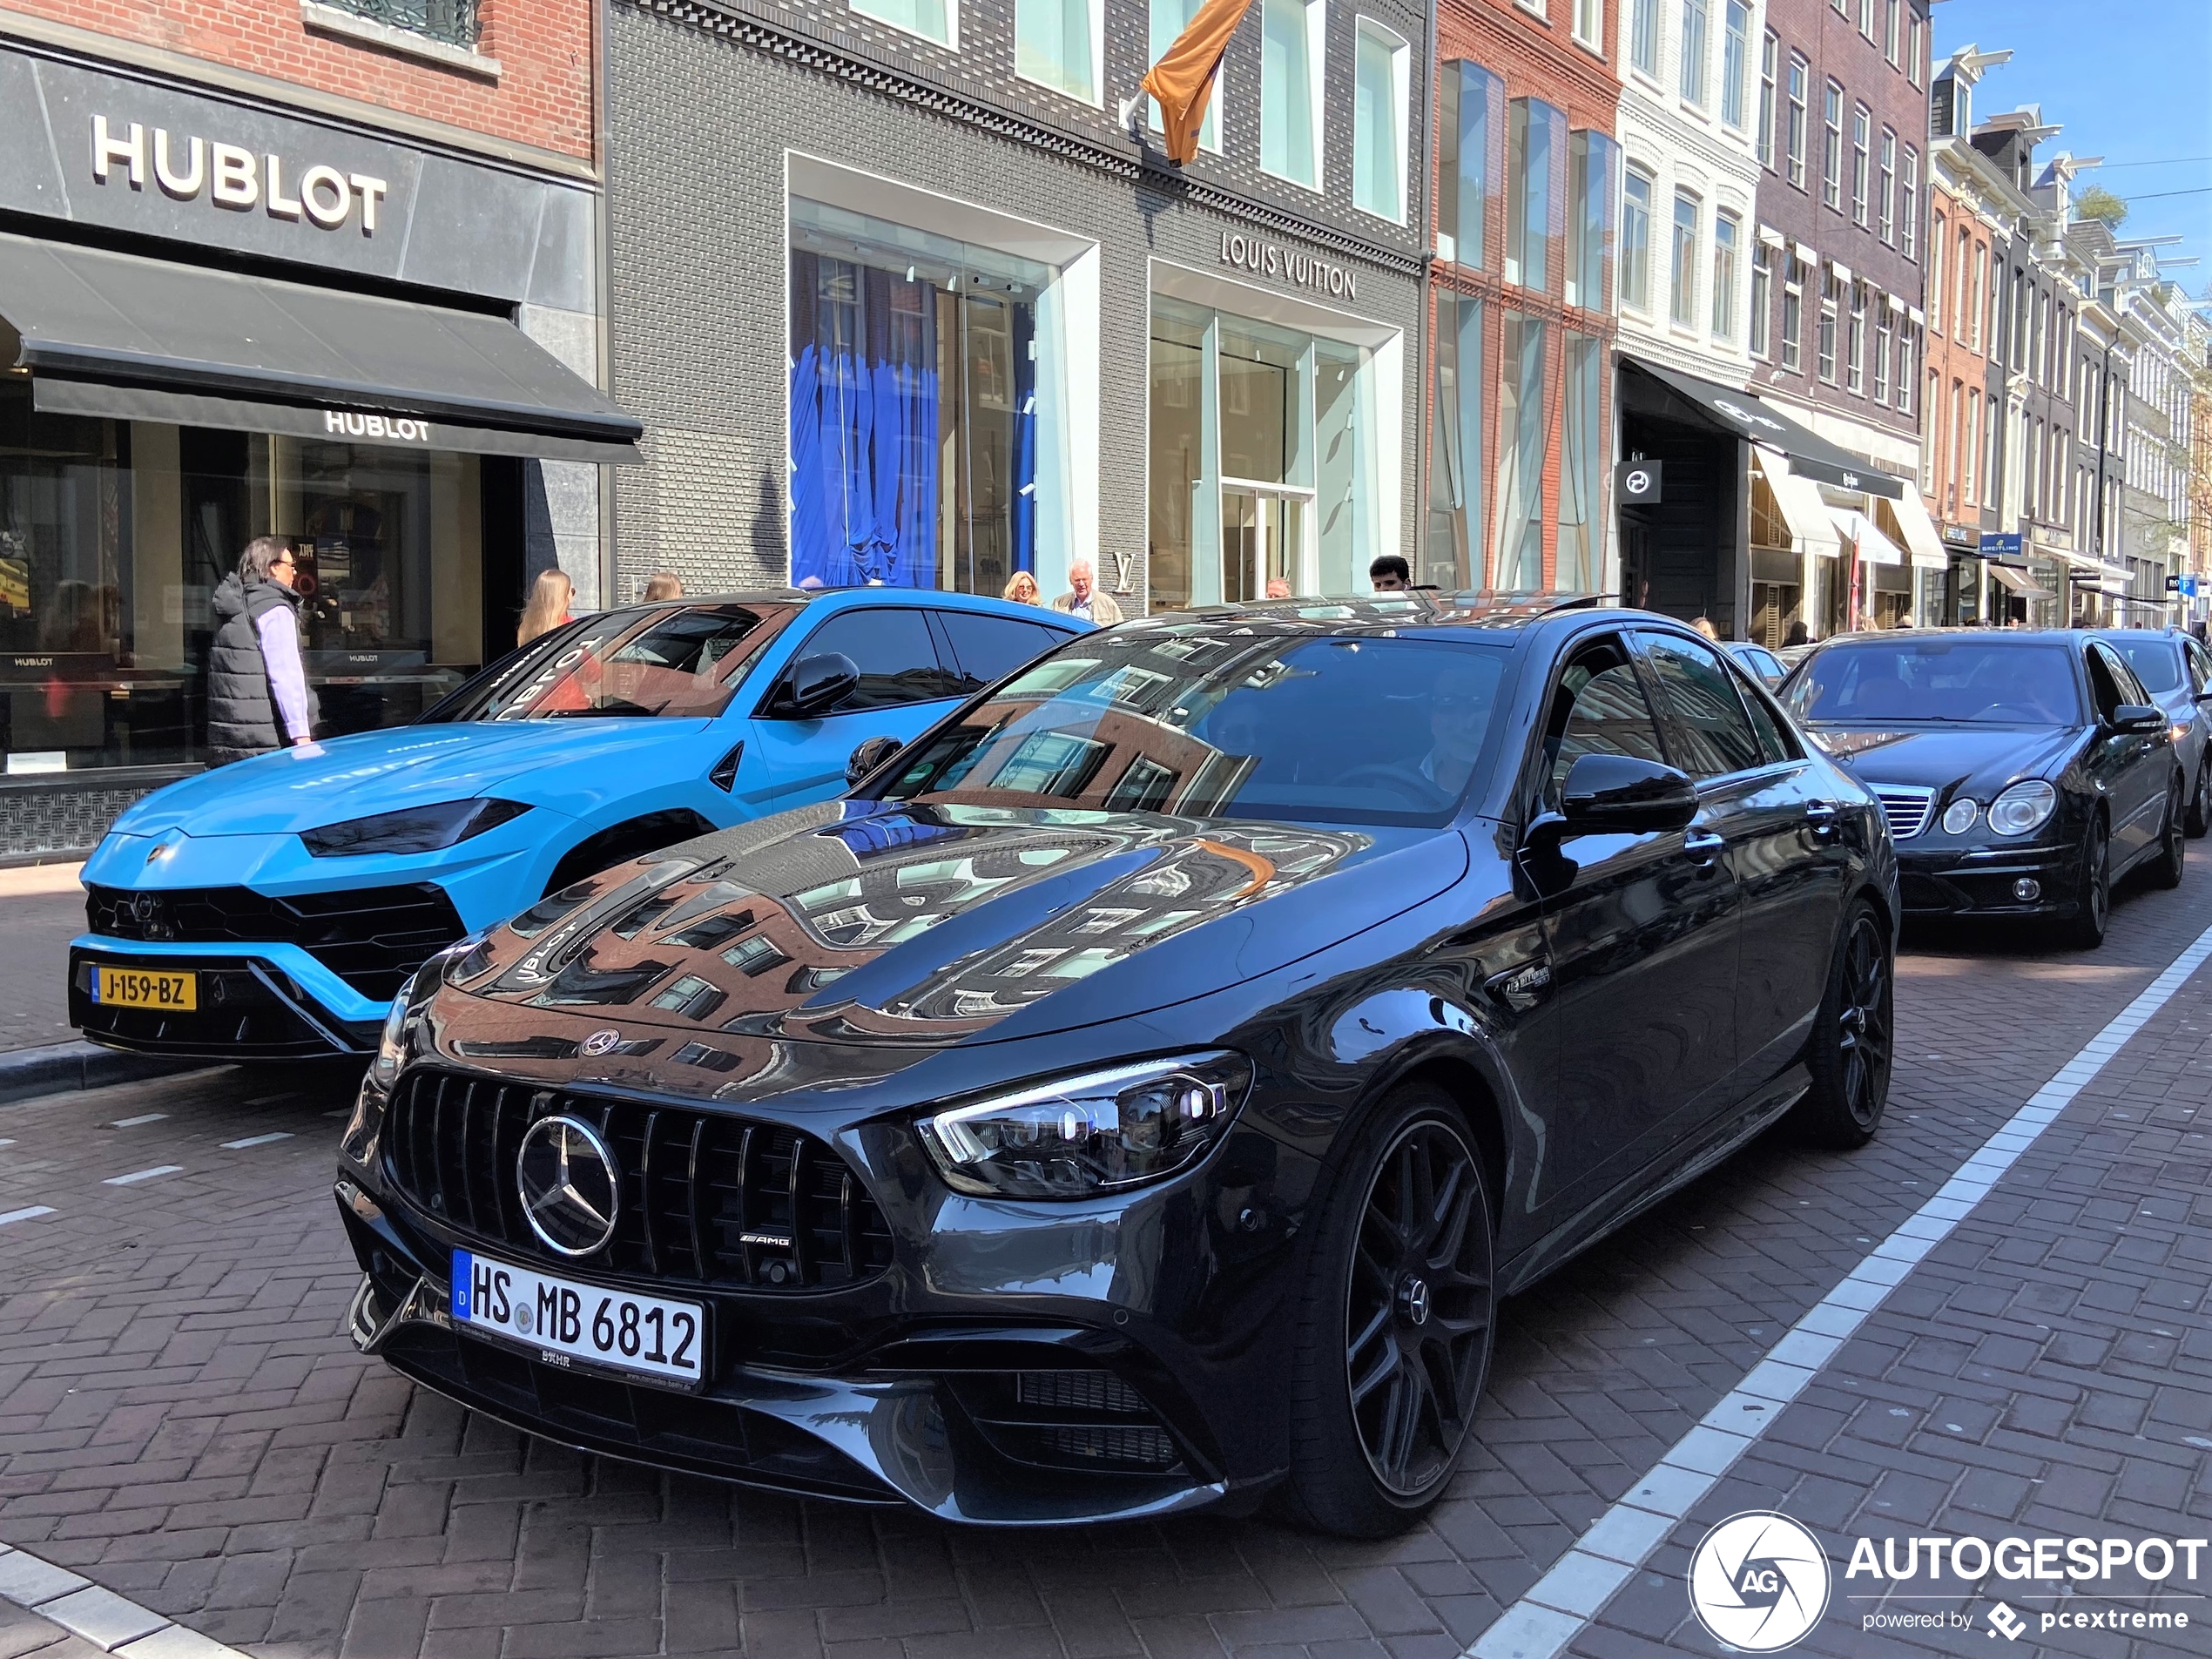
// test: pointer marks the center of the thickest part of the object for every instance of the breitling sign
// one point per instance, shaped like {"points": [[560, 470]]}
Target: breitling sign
{"points": [[182, 166]]}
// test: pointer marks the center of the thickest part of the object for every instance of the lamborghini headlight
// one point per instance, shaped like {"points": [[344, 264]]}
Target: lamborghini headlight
{"points": [[411, 829]]}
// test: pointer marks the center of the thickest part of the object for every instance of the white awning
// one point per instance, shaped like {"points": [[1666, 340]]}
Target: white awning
{"points": [[1918, 531], [1842, 271], [1920, 317], [1874, 547], [1802, 507], [2086, 562], [1772, 237], [2018, 581]]}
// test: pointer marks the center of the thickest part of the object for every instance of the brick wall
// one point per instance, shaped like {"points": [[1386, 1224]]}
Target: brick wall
{"points": [[543, 96], [1953, 357]]}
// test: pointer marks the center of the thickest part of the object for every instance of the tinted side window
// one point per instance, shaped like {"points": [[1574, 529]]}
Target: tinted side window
{"points": [[2199, 666], [1599, 708], [2104, 682], [989, 648], [895, 653], [1774, 743], [1706, 722]]}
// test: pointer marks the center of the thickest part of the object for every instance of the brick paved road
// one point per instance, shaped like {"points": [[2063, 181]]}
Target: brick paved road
{"points": [[45, 908], [180, 1421]]}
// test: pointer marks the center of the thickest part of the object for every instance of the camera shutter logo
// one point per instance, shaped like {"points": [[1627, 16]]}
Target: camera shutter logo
{"points": [[1759, 1582], [570, 1187]]}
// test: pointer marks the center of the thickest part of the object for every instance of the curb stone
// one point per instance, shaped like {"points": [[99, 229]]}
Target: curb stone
{"points": [[59, 1067]]}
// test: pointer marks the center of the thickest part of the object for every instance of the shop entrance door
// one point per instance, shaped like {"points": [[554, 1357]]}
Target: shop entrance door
{"points": [[1263, 541]]}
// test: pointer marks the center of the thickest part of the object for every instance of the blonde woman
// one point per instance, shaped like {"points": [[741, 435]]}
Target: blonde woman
{"points": [[1023, 590], [548, 608]]}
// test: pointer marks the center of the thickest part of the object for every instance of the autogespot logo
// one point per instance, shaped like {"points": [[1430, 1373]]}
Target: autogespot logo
{"points": [[1758, 1581]]}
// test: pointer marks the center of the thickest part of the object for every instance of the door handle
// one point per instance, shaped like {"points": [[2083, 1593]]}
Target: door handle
{"points": [[1702, 846], [1821, 815]]}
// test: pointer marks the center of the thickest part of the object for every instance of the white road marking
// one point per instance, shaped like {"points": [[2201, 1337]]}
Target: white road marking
{"points": [[1554, 1611], [141, 1174], [32, 1214], [256, 1140], [7, 1143], [100, 1617], [133, 1123]]}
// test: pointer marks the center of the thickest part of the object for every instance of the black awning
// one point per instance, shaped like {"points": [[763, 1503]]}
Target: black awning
{"points": [[131, 338], [1743, 414]]}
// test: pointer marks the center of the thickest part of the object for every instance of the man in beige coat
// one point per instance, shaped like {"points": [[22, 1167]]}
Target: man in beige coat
{"points": [[1083, 599]]}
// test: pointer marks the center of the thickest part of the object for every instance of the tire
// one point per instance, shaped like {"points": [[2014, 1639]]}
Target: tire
{"points": [[1394, 1334], [2085, 928], [1853, 1038], [2199, 818], [2172, 848]]}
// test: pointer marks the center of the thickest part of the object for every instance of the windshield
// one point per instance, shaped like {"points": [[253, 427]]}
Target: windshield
{"points": [[2157, 662], [672, 663], [1207, 723], [2001, 682]]}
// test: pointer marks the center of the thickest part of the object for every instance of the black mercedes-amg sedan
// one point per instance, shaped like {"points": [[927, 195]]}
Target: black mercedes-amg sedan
{"points": [[2024, 773], [1139, 1092]]}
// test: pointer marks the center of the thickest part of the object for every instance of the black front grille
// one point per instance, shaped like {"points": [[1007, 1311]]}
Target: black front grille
{"points": [[1069, 1419], [706, 1198], [373, 938]]}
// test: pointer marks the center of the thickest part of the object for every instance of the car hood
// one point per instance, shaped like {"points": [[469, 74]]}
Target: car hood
{"points": [[410, 766], [857, 923], [1936, 756]]}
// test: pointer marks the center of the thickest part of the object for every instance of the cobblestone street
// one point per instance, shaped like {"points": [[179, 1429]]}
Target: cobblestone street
{"points": [[182, 1424]]}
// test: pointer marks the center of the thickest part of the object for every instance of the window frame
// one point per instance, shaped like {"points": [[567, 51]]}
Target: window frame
{"points": [[1095, 16], [1400, 53], [1644, 38], [1769, 96], [1797, 131], [1726, 253], [1824, 338], [1736, 62], [1676, 732], [1640, 298], [1758, 336], [1855, 341], [947, 666], [1314, 18], [1885, 335], [1886, 176], [1862, 141], [1832, 145], [1592, 37], [1682, 259], [1793, 313], [951, 43], [1540, 775], [1690, 79]]}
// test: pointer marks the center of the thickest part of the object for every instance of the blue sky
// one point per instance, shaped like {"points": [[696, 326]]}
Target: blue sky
{"points": [[2130, 80]]}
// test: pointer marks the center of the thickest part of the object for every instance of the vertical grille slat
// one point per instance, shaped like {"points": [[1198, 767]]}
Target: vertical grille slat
{"points": [[1907, 807], [707, 1199]]}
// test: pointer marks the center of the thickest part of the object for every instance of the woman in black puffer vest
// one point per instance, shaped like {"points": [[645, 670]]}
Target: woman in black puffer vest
{"points": [[258, 697]]}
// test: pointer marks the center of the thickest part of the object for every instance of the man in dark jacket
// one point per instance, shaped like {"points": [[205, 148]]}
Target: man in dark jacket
{"points": [[257, 688]]}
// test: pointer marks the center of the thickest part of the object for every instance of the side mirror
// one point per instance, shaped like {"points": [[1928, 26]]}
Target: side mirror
{"points": [[870, 753], [1622, 795], [2202, 697], [815, 684], [2137, 718]]}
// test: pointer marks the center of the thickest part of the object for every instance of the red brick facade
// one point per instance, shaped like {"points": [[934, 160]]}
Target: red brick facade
{"points": [[1536, 55], [1952, 422], [542, 97]]}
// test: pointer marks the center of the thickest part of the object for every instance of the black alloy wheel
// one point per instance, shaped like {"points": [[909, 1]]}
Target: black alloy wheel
{"points": [[2173, 850], [1395, 1343], [2084, 929], [2200, 818], [1853, 1038]]}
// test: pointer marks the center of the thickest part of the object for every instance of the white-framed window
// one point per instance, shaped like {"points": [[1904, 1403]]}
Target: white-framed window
{"points": [[1866, 18], [1692, 76], [1290, 45], [1825, 344], [1770, 68], [1682, 266], [1914, 25], [1855, 341], [1761, 296], [1908, 206], [1862, 128], [1536, 169], [1643, 37], [1905, 371], [1736, 62], [1793, 313], [1169, 19], [937, 20], [1799, 71], [1059, 43], [1890, 43], [1832, 145], [1636, 239], [1885, 200], [1727, 233], [1882, 334], [1935, 275], [1590, 24], [1380, 88]]}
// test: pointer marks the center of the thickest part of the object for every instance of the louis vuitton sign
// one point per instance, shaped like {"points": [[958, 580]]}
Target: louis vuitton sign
{"points": [[1300, 270], [183, 166]]}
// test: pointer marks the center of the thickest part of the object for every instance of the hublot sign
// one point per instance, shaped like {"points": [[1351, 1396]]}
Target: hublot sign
{"points": [[1287, 265], [234, 178]]}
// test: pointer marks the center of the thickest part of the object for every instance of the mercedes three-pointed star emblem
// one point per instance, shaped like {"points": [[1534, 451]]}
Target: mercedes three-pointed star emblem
{"points": [[570, 1188]]}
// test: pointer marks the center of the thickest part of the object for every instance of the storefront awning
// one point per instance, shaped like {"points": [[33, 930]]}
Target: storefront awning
{"points": [[1802, 507], [1918, 531], [131, 337], [1745, 415], [1874, 547], [2019, 582]]}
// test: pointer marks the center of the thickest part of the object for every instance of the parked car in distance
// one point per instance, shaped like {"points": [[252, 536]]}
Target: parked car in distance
{"points": [[1136, 1095], [2177, 672], [2023, 773], [271, 908], [1758, 659]]}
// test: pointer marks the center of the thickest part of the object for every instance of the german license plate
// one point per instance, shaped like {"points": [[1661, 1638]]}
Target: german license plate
{"points": [[647, 1337], [134, 987]]}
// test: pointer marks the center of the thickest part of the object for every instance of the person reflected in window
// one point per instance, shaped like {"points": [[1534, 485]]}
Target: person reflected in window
{"points": [[548, 608], [662, 585], [1389, 573], [1083, 599], [258, 696], [1022, 589]]}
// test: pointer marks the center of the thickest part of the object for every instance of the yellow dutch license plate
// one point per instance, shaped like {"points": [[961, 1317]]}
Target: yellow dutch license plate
{"points": [[132, 988]]}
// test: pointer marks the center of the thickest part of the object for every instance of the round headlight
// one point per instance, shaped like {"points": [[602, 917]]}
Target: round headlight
{"points": [[1958, 817], [2023, 808]]}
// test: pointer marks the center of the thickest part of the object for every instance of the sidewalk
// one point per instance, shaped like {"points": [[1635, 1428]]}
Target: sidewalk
{"points": [[42, 909]]}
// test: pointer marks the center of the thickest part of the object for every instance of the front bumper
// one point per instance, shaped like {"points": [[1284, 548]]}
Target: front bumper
{"points": [[256, 1004], [1958, 881]]}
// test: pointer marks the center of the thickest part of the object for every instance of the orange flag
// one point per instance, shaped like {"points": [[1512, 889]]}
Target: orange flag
{"points": [[1183, 79]]}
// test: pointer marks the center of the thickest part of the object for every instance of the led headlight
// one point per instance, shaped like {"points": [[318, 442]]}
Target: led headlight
{"points": [[2023, 808], [2179, 731], [1076, 1137], [412, 829], [1958, 817]]}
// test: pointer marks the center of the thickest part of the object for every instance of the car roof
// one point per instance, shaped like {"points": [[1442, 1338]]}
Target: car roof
{"points": [[1992, 635], [936, 598], [1427, 610]]}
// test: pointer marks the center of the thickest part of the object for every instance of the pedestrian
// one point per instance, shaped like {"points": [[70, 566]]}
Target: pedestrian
{"points": [[258, 696], [1705, 625], [1082, 598], [662, 585], [548, 608], [1023, 590], [1389, 573], [1278, 588], [1799, 635]]}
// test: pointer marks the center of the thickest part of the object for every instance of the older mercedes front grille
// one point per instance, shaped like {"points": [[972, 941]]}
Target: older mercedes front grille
{"points": [[1907, 806], [706, 1198]]}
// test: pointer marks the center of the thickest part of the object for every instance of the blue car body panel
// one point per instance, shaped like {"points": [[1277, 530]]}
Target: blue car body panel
{"points": [[240, 826]]}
